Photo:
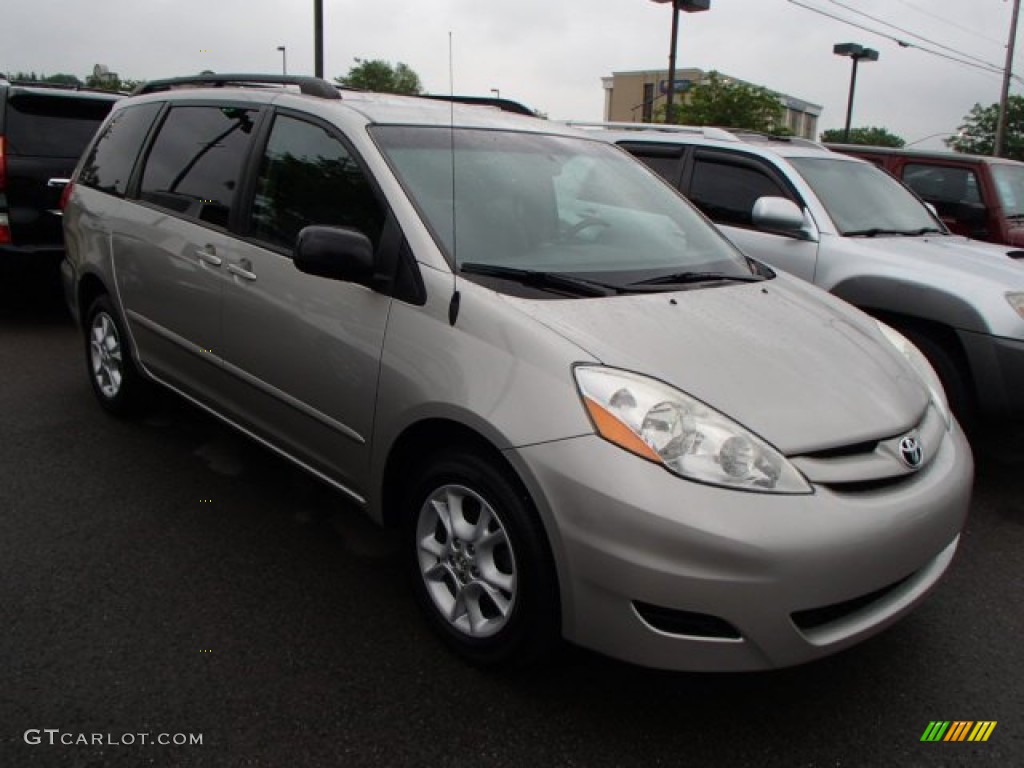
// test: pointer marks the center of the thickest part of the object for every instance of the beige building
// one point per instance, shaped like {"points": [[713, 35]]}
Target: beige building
{"points": [[633, 97]]}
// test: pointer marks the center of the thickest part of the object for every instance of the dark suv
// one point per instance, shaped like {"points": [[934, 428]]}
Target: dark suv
{"points": [[43, 130]]}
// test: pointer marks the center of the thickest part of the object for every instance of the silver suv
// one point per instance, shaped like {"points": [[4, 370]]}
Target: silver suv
{"points": [[588, 415], [853, 230]]}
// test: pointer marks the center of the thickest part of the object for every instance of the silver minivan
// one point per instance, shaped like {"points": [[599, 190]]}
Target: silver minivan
{"points": [[587, 413]]}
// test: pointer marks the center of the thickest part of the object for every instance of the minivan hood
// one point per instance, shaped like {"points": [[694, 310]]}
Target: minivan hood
{"points": [[789, 362], [961, 257]]}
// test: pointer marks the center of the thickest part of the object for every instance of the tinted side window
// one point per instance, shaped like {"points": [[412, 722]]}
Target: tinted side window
{"points": [[53, 126], [109, 164], [308, 177], [667, 162], [195, 162], [942, 184], [726, 193]]}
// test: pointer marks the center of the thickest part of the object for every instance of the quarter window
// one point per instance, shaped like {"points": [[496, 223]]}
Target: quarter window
{"points": [[726, 192], [109, 164], [196, 160], [307, 176]]}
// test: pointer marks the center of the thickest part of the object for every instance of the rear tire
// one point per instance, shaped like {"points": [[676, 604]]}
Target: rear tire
{"points": [[115, 380], [479, 561]]}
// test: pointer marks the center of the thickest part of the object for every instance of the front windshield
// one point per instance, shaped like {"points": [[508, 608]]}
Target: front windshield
{"points": [[1010, 187], [861, 199], [548, 203]]}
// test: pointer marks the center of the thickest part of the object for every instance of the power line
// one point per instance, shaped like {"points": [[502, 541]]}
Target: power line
{"points": [[990, 68], [913, 34], [951, 23]]}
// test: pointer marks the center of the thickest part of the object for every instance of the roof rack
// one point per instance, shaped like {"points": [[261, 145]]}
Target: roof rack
{"points": [[505, 105], [707, 131], [58, 86], [751, 135], [310, 86]]}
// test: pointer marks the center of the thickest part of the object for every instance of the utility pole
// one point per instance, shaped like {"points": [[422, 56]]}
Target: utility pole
{"points": [[690, 6], [1000, 142], [318, 38]]}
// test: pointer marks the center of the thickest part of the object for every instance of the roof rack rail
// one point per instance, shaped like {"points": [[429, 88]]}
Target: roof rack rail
{"points": [[505, 105], [748, 134], [310, 86], [59, 86], [707, 131]]}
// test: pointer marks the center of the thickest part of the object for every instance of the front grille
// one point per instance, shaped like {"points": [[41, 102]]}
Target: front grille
{"points": [[676, 622], [843, 451], [813, 618]]}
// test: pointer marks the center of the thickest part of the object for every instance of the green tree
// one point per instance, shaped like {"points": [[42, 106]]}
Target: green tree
{"points": [[871, 136], [727, 103], [378, 75], [977, 135], [63, 79]]}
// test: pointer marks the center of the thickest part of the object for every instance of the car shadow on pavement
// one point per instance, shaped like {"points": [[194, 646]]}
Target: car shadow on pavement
{"points": [[31, 294]]}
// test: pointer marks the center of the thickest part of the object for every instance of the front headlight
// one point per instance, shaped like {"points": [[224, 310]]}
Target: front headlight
{"points": [[661, 424], [922, 368], [1017, 302]]}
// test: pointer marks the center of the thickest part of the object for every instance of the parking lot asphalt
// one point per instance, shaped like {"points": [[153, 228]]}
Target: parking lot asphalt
{"points": [[167, 576]]}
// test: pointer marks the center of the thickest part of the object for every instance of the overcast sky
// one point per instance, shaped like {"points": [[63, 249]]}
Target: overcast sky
{"points": [[549, 54]]}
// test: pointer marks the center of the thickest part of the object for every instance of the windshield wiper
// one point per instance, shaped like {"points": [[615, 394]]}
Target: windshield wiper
{"points": [[875, 231], [542, 279], [682, 278]]}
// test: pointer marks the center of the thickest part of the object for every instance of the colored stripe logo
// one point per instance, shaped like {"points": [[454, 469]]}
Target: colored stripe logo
{"points": [[959, 730]]}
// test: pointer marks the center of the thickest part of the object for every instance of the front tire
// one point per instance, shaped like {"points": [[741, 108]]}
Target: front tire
{"points": [[480, 564], [953, 372], [115, 380]]}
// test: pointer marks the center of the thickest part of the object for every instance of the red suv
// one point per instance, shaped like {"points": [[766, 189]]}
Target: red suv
{"points": [[977, 196]]}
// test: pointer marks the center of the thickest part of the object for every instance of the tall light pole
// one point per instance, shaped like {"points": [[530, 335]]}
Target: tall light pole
{"points": [[318, 38], [858, 53], [1004, 99], [284, 59], [690, 6], [496, 92]]}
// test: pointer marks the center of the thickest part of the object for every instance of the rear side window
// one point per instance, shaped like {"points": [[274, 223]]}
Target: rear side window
{"points": [[726, 193], [942, 183], [196, 159], [665, 161], [44, 125], [109, 164], [307, 176]]}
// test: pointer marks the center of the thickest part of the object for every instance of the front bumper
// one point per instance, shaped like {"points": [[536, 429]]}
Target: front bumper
{"points": [[630, 532]]}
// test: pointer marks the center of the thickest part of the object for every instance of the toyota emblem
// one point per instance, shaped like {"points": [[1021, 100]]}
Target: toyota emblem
{"points": [[910, 451]]}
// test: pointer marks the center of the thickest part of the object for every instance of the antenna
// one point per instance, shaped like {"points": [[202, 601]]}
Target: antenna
{"points": [[453, 307]]}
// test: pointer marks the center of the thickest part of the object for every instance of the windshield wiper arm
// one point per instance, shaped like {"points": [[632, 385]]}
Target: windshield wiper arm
{"points": [[542, 279], [875, 231], [681, 278]]}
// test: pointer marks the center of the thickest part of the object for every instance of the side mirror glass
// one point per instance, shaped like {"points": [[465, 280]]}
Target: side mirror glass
{"points": [[336, 253], [777, 213]]}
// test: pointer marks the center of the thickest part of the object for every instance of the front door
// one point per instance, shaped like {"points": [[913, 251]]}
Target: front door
{"points": [[304, 351]]}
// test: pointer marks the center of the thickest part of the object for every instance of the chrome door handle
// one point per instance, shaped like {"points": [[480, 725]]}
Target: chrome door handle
{"points": [[58, 183], [208, 255], [242, 269]]}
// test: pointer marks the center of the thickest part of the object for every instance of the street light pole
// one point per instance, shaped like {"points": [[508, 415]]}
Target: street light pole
{"points": [[284, 59], [857, 53], [318, 38], [690, 6], [1004, 99], [496, 92]]}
